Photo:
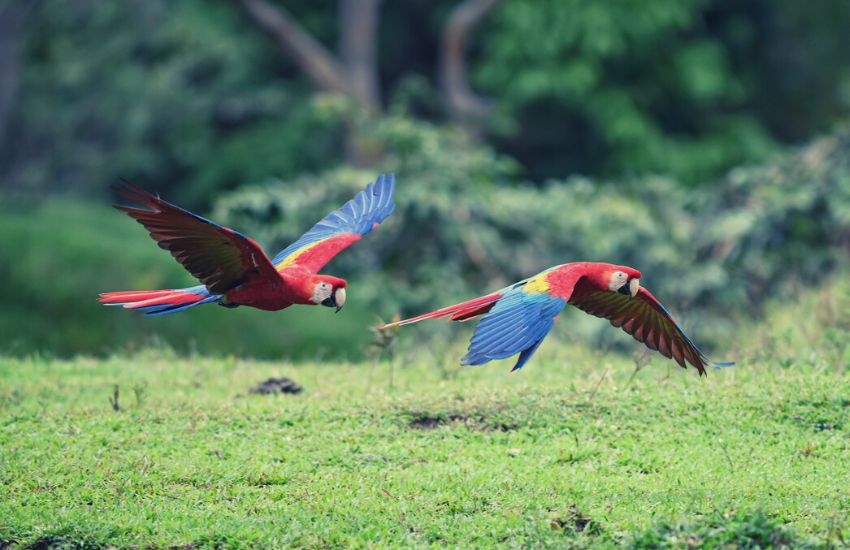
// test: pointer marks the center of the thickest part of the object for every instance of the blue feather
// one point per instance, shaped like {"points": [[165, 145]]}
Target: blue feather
{"points": [[172, 309], [518, 323], [526, 355], [359, 215]]}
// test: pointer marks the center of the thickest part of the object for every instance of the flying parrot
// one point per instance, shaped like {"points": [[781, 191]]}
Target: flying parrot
{"points": [[517, 318], [234, 270]]}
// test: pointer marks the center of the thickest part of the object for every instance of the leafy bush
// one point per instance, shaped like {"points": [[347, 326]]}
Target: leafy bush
{"points": [[463, 226]]}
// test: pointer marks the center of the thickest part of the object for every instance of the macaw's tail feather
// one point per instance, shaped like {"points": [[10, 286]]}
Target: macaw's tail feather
{"points": [[458, 312], [160, 302]]}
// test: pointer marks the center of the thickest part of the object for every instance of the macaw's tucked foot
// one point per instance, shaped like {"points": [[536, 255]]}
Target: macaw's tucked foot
{"points": [[228, 305]]}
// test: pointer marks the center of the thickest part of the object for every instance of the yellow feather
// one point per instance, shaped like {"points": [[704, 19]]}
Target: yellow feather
{"points": [[291, 259], [538, 283]]}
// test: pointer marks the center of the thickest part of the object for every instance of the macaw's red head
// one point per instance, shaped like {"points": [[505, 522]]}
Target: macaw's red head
{"points": [[617, 278], [328, 291]]}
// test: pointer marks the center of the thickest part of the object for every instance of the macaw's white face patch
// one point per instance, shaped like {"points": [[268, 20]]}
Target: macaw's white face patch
{"points": [[321, 292], [618, 279], [621, 283]]}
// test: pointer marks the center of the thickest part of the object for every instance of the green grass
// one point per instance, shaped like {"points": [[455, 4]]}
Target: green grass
{"points": [[567, 451], [577, 449]]}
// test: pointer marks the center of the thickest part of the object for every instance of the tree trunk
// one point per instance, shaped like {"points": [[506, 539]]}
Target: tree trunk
{"points": [[310, 56], [358, 27], [460, 101], [14, 16], [354, 73]]}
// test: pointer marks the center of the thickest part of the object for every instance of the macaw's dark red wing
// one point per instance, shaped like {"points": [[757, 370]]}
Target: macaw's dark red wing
{"points": [[219, 257], [647, 321]]}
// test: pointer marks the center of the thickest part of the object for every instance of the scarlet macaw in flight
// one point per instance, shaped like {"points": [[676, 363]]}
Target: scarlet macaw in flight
{"points": [[234, 269], [517, 318]]}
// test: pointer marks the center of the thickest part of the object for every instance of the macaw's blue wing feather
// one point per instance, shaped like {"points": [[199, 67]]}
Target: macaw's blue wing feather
{"points": [[341, 228], [517, 324]]}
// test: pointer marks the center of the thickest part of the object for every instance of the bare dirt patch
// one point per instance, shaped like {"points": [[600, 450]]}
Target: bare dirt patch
{"points": [[277, 385], [572, 519], [422, 420]]}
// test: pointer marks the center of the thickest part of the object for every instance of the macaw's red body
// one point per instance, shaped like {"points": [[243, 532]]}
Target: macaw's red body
{"points": [[234, 270], [518, 318]]}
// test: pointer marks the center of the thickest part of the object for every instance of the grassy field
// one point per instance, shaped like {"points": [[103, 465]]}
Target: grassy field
{"points": [[577, 449], [573, 449]]}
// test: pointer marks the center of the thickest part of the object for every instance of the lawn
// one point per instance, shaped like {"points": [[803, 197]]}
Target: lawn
{"points": [[575, 449]]}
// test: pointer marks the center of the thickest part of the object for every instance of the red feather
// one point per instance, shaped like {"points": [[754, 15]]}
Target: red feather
{"points": [[314, 256], [459, 312], [217, 256], [643, 317]]}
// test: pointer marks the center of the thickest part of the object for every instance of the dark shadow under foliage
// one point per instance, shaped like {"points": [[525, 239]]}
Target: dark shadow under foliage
{"points": [[740, 530]]}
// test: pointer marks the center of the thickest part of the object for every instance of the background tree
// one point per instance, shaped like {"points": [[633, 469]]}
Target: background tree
{"points": [[354, 73], [524, 133]]}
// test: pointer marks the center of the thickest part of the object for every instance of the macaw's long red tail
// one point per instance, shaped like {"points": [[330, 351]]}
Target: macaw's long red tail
{"points": [[458, 312], [160, 302]]}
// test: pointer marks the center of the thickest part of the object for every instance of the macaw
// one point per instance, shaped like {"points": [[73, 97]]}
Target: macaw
{"points": [[234, 270], [518, 318]]}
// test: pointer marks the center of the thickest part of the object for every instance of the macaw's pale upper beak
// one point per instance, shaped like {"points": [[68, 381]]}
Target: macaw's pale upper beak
{"points": [[631, 288], [339, 298]]}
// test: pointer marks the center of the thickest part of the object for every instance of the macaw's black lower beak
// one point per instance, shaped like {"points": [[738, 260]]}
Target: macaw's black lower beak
{"points": [[630, 288], [330, 301]]}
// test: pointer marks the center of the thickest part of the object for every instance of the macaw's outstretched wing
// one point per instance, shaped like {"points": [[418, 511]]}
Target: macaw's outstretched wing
{"points": [[341, 228], [517, 324], [647, 321], [219, 257]]}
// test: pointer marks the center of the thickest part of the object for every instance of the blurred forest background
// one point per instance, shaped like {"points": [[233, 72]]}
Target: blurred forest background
{"points": [[704, 142]]}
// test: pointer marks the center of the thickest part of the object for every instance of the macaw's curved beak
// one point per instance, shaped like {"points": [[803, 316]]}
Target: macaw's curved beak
{"points": [[339, 298], [631, 288]]}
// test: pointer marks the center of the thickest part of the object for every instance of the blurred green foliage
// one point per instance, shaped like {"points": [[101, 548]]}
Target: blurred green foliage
{"points": [[463, 226], [184, 95], [650, 104], [66, 252], [679, 87], [192, 98]]}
